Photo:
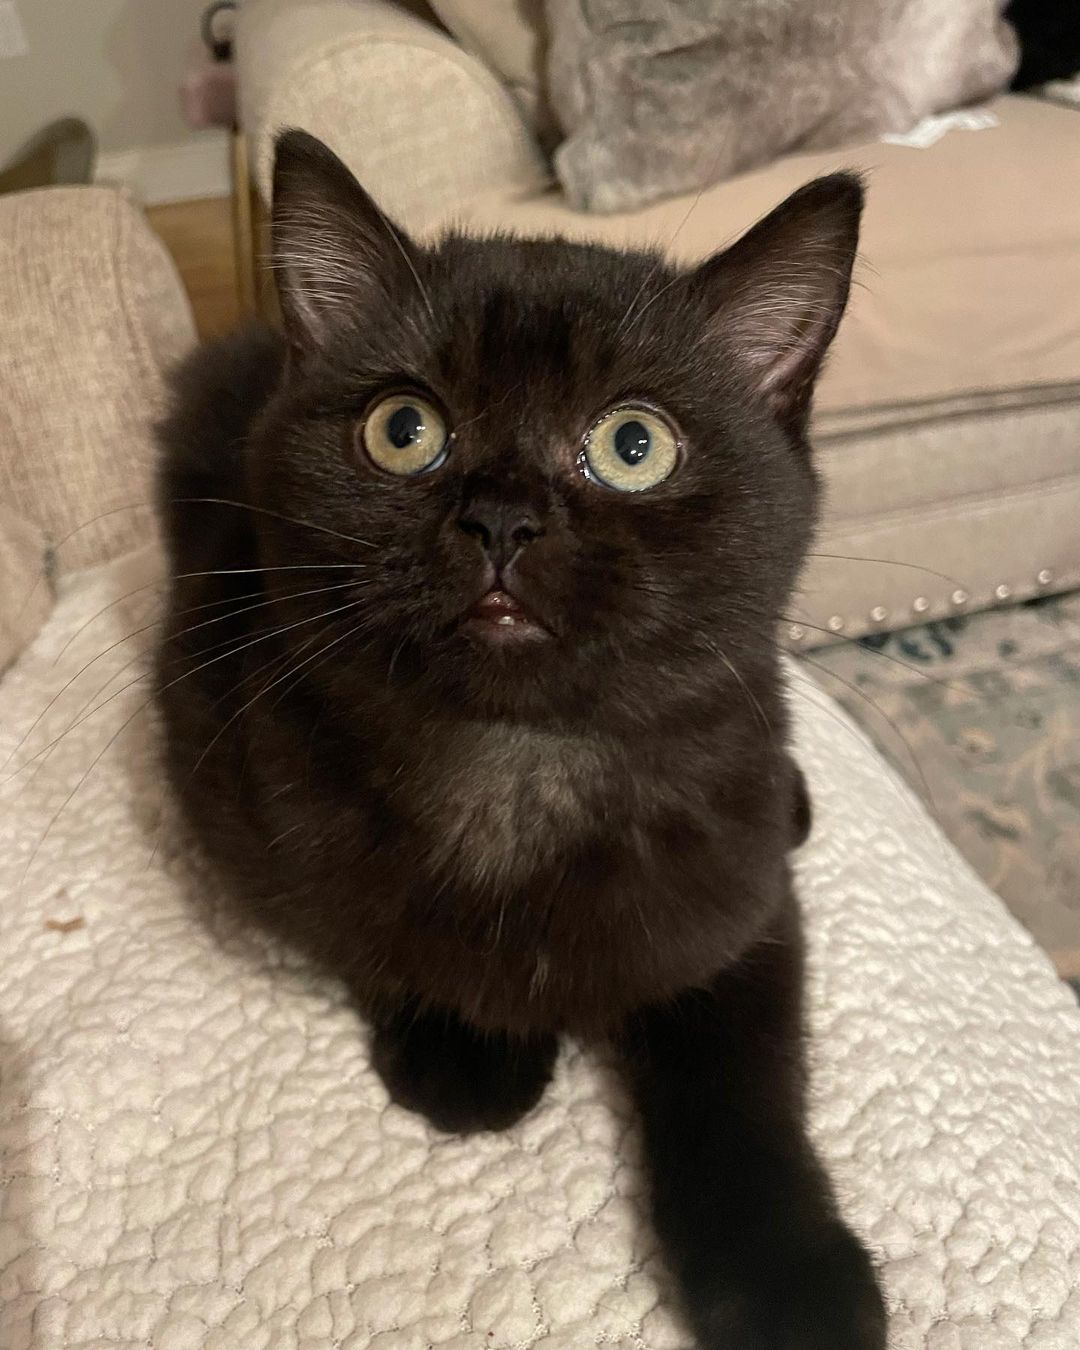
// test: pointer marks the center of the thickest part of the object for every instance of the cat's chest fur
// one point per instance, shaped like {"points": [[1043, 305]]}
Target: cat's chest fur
{"points": [[539, 878], [494, 803]]}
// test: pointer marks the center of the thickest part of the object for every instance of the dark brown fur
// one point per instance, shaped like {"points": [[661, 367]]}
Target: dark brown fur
{"points": [[496, 844]]}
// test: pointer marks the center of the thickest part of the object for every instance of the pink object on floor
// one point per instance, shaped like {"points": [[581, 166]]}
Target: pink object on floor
{"points": [[208, 95]]}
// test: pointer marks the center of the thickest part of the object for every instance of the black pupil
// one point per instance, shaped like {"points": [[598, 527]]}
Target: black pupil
{"points": [[632, 442], [405, 426]]}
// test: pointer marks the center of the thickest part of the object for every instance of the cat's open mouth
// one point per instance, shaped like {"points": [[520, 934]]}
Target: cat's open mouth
{"points": [[499, 617]]}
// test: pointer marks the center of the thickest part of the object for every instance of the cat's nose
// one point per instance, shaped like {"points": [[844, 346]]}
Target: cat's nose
{"points": [[503, 528]]}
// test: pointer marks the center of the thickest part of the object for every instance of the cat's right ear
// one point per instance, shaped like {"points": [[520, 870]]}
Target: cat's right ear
{"points": [[336, 256], [778, 293]]}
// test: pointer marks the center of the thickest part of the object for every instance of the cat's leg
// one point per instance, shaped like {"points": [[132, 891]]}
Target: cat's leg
{"points": [[461, 1079], [741, 1204]]}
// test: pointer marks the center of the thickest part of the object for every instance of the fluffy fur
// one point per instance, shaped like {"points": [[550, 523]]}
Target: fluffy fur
{"points": [[498, 842]]}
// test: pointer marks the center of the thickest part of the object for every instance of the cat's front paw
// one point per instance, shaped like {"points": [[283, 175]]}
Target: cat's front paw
{"points": [[814, 1292], [460, 1079]]}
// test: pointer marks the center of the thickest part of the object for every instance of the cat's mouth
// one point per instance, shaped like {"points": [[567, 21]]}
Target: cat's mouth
{"points": [[499, 617]]}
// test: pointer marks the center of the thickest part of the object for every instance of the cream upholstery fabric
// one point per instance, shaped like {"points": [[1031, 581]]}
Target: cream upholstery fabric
{"points": [[93, 315], [425, 126], [195, 1153], [982, 489], [512, 40], [966, 501]]}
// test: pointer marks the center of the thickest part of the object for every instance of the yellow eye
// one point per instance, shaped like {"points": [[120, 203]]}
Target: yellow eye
{"points": [[405, 435], [631, 449]]}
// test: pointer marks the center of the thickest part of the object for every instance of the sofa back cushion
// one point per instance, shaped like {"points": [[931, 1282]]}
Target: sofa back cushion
{"points": [[510, 37]]}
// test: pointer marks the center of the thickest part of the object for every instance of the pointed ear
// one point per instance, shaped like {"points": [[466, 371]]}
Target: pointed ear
{"points": [[335, 254], [778, 293]]}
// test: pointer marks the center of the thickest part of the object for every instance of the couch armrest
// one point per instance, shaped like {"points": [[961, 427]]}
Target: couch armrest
{"points": [[92, 316], [422, 124]]}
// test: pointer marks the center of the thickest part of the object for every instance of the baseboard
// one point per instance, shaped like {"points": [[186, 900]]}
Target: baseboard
{"points": [[156, 174]]}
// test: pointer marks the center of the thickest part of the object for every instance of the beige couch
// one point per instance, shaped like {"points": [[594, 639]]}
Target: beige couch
{"points": [[948, 422]]}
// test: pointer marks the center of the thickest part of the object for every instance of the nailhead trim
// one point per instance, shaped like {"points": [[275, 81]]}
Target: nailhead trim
{"points": [[921, 604]]}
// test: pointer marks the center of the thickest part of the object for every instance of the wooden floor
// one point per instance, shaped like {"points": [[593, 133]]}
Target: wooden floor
{"points": [[199, 236]]}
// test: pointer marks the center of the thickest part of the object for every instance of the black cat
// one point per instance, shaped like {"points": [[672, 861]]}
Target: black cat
{"points": [[471, 687]]}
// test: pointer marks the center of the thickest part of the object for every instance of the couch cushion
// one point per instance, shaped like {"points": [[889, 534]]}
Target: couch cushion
{"points": [[930, 519], [510, 39], [337, 68], [970, 275], [93, 316]]}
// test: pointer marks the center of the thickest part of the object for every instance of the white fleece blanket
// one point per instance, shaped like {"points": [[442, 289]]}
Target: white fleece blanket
{"points": [[194, 1151]]}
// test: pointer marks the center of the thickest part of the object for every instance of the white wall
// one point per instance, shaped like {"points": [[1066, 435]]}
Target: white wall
{"points": [[116, 64]]}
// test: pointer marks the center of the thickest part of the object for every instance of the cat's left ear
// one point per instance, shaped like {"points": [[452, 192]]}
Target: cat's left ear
{"points": [[779, 292], [336, 255]]}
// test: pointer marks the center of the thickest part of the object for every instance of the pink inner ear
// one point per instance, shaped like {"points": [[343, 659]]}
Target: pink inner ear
{"points": [[785, 363], [782, 330], [780, 290]]}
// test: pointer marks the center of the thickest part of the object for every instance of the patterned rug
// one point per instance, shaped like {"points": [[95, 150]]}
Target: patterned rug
{"points": [[981, 714]]}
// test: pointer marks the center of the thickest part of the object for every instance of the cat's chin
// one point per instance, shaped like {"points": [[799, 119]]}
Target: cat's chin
{"points": [[505, 633]]}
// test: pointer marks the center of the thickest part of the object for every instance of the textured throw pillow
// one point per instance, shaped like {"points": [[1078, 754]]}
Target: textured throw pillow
{"points": [[656, 99]]}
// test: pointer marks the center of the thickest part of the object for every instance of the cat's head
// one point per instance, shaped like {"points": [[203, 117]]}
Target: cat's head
{"points": [[574, 476]]}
